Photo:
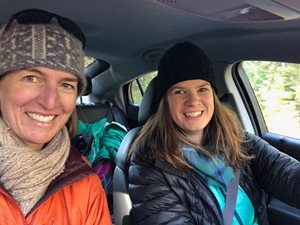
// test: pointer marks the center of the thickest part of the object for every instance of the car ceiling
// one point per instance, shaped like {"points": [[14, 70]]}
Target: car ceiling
{"points": [[132, 34]]}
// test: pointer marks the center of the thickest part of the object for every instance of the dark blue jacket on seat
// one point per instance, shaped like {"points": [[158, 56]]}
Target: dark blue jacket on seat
{"points": [[162, 194]]}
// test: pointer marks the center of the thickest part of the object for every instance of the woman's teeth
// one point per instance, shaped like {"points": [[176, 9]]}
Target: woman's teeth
{"points": [[40, 117], [193, 114]]}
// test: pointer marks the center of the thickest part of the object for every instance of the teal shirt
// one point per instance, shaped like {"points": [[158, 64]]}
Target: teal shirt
{"points": [[244, 207]]}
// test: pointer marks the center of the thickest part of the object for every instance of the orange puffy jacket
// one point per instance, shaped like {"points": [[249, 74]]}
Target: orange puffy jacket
{"points": [[76, 197]]}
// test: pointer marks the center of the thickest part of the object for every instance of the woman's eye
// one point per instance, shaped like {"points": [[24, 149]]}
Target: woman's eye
{"points": [[30, 78], [178, 92], [202, 89], [68, 86]]}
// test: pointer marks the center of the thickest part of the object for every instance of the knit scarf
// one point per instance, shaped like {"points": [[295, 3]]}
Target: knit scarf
{"points": [[26, 173], [213, 170]]}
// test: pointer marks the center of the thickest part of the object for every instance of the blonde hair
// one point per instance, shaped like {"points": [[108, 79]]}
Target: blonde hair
{"points": [[160, 137]]}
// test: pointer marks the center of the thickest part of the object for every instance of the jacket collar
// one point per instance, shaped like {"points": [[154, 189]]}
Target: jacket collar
{"points": [[75, 170]]}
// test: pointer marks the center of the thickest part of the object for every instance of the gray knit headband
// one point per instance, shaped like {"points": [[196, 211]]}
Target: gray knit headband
{"points": [[31, 45]]}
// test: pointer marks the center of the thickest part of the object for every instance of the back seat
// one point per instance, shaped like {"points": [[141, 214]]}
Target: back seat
{"points": [[104, 168], [91, 113]]}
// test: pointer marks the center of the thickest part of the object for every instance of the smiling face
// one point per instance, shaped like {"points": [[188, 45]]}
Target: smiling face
{"points": [[37, 102], [191, 107]]}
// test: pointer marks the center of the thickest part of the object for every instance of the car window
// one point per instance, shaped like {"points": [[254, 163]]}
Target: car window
{"points": [[277, 89], [85, 99], [88, 60], [138, 87]]}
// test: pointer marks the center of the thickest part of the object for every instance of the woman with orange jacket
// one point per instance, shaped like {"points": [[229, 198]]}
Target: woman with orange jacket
{"points": [[43, 180]]}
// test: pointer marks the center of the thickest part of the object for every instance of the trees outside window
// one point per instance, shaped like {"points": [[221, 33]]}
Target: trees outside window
{"points": [[277, 89]]}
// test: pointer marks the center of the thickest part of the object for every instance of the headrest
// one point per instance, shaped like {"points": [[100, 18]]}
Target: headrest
{"points": [[147, 104], [88, 88]]}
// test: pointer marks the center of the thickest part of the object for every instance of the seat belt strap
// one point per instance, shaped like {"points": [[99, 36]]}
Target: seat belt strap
{"points": [[119, 118], [231, 197]]}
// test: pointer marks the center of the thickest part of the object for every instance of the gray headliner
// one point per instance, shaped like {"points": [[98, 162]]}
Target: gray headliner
{"points": [[132, 34]]}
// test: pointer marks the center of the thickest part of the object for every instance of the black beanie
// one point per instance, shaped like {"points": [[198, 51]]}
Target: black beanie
{"points": [[183, 61]]}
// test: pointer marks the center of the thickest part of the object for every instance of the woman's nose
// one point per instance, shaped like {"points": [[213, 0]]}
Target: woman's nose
{"points": [[48, 97], [193, 98]]}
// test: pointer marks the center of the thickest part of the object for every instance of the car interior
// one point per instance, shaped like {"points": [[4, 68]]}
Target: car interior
{"points": [[126, 39]]}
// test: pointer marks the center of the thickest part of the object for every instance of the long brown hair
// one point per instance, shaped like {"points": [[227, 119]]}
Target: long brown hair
{"points": [[72, 124], [162, 138]]}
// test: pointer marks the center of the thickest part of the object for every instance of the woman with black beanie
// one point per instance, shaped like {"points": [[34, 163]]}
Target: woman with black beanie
{"points": [[192, 163]]}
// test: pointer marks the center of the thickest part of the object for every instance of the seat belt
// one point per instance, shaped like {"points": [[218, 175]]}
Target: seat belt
{"points": [[231, 197], [118, 116]]}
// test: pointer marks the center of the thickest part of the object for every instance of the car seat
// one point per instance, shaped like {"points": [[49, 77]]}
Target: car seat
{"points": [[121, 200]]}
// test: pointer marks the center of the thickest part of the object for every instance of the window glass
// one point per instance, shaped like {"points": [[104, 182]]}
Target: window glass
{"points": [[277, 89], [88, 60], [139, 86]]}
